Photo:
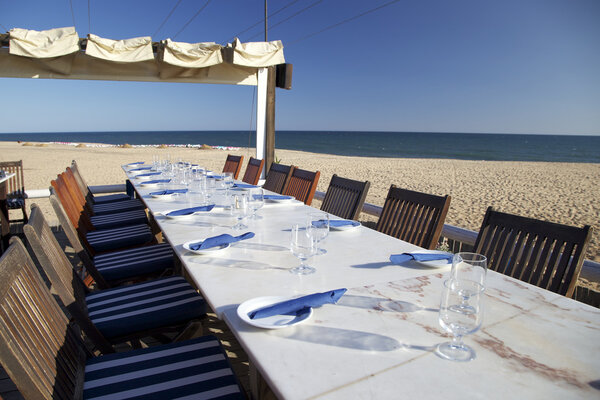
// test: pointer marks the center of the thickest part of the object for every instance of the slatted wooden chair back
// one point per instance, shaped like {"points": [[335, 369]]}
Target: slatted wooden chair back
{"points": [[75, 191], [253, 171], [414, 217], [233, 164], [83, 187], [302, 185], [39, 350], [15, 185], [278, 177], [345, 197], [73, 208], [542, 253]]}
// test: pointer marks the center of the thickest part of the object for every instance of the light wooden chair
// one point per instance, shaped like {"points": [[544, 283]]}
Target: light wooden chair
{"points": [[414, 217], [85, 189], [253, 171], [542, 253], [345, 197], [302, 185], [278, 177], [233, 164], [47, 359], [15, 196]]}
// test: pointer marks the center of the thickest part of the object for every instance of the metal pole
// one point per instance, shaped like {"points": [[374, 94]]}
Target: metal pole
{"points": [[266, 40]]}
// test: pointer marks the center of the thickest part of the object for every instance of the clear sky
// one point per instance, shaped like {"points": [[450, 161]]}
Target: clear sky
{"points": [[506, 66]]}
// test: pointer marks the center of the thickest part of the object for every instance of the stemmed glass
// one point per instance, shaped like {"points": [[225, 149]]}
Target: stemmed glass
{"points": [[211, 186], [239, 208], [460, 317], [471, 269], [303, 246], [319, 222], [257, 200], [228, 180]]}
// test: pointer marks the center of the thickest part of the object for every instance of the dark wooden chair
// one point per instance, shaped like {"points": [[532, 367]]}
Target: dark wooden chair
{"points": [[15, 196], [253, 171], [414, 217], [46, 357], [542, 253], [233, 164], [345, 197], [302, 185], [278, 177]]}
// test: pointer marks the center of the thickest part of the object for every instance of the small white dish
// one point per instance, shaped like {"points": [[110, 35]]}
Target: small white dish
{"points": [[275, 321], [354, 225], [163, 196], [149, 185], [211, 250], [285, 199], [178, 216], [433, 263]]}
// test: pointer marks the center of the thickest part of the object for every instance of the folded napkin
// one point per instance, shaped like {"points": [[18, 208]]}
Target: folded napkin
{"points": [[215, 176], [244, 186], [135, 163], [191, 210], [140, 169], [335, 222], [148, 174], [156, 181], [296, 306], [400, 258], [276, 197], [220, 240], [168, 191]]}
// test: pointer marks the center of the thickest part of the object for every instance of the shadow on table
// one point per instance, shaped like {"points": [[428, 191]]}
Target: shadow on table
{"points": [[230, 263], [380, 304], [409, 264], [261, 246]]}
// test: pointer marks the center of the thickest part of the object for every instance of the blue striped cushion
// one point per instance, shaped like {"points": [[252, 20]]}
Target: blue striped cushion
{"points": [[119, 238], [119, 206], [153, 304], [193, 369], [109, 198], [134, 262], [15, 203], [116, 220]]}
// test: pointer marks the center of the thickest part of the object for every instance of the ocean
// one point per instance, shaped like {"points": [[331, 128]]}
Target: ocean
{"points": [[464, 146]]}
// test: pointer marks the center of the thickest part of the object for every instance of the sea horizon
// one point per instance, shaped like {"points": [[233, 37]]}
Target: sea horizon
{"points": [[447, 145]]}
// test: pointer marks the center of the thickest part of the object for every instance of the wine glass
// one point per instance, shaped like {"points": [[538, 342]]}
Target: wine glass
{"points": [[239, 208], [460, 318], [257, 200], [469, 267], [319, 222], [303, 246], [228, 180], [211, 186]]}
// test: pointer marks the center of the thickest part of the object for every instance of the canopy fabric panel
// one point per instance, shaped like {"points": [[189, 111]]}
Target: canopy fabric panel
{"points": [[43, 44], [257, 54], [126, 50], [191, 55]]}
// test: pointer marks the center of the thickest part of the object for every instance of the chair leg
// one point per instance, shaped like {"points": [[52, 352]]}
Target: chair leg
{"points": [[25, 218], [193, 329]]}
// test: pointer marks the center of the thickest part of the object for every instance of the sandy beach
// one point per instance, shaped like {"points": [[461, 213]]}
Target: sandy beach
{"points": [[566, 193]]}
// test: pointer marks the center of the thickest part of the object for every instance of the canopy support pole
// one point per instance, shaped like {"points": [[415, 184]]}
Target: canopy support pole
{"points": [[265, 117]]}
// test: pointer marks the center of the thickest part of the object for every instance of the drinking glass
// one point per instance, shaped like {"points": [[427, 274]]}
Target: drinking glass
{"points": [[469, 267], [460, 318], [257, 200], [319, 222], [239, 209], [211, 186], [303, 246], [228, 180]]}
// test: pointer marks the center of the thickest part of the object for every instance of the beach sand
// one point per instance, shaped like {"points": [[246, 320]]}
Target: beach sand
{"points": [[565, 193]]}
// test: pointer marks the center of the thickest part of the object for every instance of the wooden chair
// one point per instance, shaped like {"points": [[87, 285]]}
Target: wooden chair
{"points": [[85, 189], [542, 253], [345, 197], [233, 164], [278, 177], [414, 217], [302, 185], [47, 359], [253, 171], [15, 196]]}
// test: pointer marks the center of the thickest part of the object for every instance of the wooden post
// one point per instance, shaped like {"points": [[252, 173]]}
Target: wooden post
{"points": [[270, 119]]}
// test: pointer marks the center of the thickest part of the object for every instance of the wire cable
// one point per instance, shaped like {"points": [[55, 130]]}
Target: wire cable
{"points": [[262, 20], [252, 113], [167, 18], [342, 22], [72, 13], [191, 19], [292, 16], [89, 18]]}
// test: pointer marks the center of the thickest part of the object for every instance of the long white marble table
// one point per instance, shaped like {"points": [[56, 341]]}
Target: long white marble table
{"points": [[378, 341]]}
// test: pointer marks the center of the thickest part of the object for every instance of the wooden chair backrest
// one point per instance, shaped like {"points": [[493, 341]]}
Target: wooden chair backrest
{"points": [[302, 185], [39, 350], [64, 278], [16, 184], [233, 164], [80, 181], [278, 177], [75, 191], [414, 217], [345, 197], [253, 171], [73, 207], [542, 253]]}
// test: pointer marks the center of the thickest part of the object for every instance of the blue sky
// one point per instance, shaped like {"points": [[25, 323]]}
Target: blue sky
{"points": [[506, 66]]}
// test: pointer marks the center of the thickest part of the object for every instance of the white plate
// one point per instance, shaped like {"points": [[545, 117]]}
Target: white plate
{"points": [[211, 250], [433, 263], [163, 196], [287, 199], [345, 227], [150, 185], [273, 322], [178, 216]]}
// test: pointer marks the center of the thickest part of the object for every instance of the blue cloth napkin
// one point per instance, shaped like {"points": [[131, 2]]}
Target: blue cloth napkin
{"points": [[148, 174], [191, 210], [156, 181], [136, 163], [244, 186], [296, 306], [276, 197], [215, 176], [404, 257], [335, 222], [169, 191], [220, 240], [140, 169]]}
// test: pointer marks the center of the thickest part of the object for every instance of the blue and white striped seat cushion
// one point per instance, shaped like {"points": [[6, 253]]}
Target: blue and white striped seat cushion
{"points": [[193, 369], [148, 305], [134, 262], [15, 203], [109, 198], [119, 238], [117, 206], [118, 219]]}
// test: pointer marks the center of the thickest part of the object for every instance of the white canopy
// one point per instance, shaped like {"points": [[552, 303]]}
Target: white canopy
{"points": [[57, 54]]}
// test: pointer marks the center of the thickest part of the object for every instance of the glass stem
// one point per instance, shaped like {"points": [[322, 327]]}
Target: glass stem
{"points": [[457, 341]]}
